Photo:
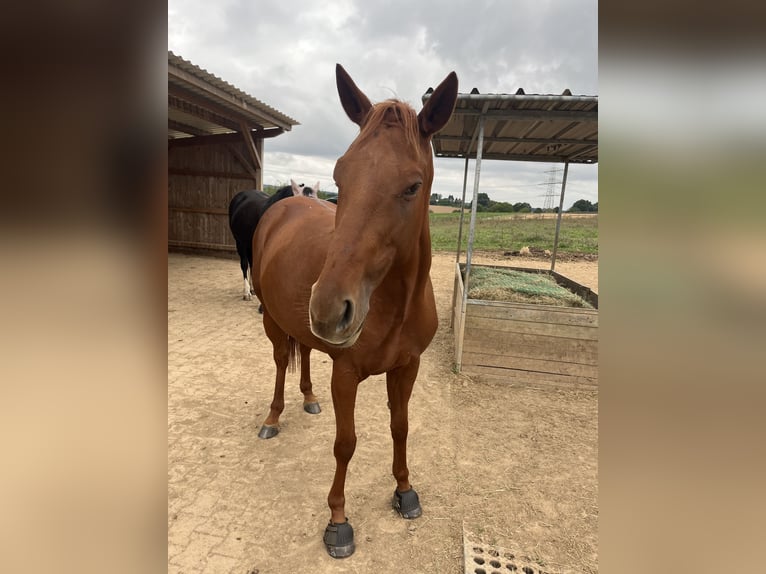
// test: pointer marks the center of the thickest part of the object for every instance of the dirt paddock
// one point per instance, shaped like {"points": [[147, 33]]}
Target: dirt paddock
{"points": [[512, 466]]}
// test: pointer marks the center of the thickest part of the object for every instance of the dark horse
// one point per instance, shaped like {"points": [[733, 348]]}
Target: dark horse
{"points": [[245, 210], [357, 285]]}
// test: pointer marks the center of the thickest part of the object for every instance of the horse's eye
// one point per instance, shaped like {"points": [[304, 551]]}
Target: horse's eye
{"points": [[412, 190]]}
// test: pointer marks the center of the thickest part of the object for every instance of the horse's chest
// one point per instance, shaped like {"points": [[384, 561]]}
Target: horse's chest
{"points": [[401, 343]]}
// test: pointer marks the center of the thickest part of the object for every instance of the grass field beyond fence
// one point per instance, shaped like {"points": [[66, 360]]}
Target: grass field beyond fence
{"points": [[511, 232]]}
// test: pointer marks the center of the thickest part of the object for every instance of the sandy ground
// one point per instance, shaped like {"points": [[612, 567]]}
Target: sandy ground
{"points": [[510, 465]]}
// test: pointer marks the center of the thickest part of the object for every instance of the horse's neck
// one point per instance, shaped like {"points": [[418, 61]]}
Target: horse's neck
{"points": [[424, 256], [410, 276]]}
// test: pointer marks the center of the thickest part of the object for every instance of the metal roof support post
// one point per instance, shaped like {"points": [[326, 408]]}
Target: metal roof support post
{"points": [[558, 219], [459, 240], [462, 210], [471, 231]]}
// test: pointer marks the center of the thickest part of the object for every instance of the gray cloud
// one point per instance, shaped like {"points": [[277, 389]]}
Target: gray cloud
{"points": [[284, 53]]}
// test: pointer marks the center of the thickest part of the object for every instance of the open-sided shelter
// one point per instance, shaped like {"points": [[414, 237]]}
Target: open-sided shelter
{"points": [[517, 127]]}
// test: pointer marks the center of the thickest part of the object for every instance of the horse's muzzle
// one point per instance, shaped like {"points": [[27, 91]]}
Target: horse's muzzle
{"points": [[335, 319]]}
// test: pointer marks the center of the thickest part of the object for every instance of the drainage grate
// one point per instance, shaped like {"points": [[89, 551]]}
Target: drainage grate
{"points": [[485, 559]]}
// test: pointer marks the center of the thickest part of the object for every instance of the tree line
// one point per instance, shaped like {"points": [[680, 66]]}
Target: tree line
{"points": [[484, 203]]}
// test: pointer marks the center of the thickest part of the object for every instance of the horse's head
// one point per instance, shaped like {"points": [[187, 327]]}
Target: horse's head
{"points": [[304, 190], [384, 186]]}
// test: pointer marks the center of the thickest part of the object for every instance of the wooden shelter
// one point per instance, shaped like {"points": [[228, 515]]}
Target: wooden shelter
{"points": [[216, 134]]}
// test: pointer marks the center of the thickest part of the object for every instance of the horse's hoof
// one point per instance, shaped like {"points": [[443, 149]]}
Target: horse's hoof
{"points": [[260, 309], [339, 539], [407, 503], [268, 431], [312, 408], [246, 298]]}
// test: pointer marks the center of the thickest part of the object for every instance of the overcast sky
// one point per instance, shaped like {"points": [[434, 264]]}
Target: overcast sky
{"points": [[283, 52]]}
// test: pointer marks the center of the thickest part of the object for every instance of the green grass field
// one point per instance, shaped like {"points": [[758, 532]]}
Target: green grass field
{"points": [[511, 232]]}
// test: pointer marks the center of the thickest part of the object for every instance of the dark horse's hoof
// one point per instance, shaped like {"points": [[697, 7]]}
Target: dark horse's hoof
{"points": [[407, 503], [312, 408], [339, 539], [268, 431], [260, 309]]}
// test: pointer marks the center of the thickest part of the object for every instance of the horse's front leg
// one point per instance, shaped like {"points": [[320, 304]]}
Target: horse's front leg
{"points": [[310, 402], [399, 383], [339, 536], [281, 345]]}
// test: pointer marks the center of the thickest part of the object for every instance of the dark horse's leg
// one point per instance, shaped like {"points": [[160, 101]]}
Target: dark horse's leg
{"points": [[241, 250], [339, 536], [310, 402], [281, 345], [399, 383]]}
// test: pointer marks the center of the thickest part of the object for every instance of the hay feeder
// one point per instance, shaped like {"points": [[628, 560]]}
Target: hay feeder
{"points": [[526, 342]]}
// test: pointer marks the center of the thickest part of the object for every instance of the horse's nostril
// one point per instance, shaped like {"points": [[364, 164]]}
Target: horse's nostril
{"points": [[348, 315]]}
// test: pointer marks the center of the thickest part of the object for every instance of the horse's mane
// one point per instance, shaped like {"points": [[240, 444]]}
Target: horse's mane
{"points": [[391, 113]]}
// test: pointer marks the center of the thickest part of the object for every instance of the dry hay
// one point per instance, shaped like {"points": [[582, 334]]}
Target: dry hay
{"points": [[493, 284]]}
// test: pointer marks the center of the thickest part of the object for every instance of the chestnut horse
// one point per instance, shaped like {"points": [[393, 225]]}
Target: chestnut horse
{"points": [[357, 285]]}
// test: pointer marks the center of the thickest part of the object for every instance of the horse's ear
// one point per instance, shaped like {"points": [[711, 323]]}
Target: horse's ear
{"points": [[354, 102], [438, 109], [296, 187]]}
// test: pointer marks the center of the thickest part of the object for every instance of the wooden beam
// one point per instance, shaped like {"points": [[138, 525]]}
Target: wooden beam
{"points": [[200, 245], [234, 137], [185, 128], [193, 109], [208, 173], [205, 211], [223, 96], [243, 161], [259, 148], [233, 115], [250, 144]]}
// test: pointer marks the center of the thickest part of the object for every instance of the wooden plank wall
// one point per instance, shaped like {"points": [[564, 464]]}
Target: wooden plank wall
{"points": [[201, 182], [531, 343]]}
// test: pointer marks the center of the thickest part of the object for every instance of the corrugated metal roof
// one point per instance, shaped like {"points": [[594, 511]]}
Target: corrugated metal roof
{"points": [[200, 103], [522, 127]]}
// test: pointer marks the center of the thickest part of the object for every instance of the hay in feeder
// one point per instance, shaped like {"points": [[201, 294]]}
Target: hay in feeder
{"points": [[492, 284]]}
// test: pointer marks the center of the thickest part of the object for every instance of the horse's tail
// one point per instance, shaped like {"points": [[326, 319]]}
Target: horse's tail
{"points": [[293, 356]]}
